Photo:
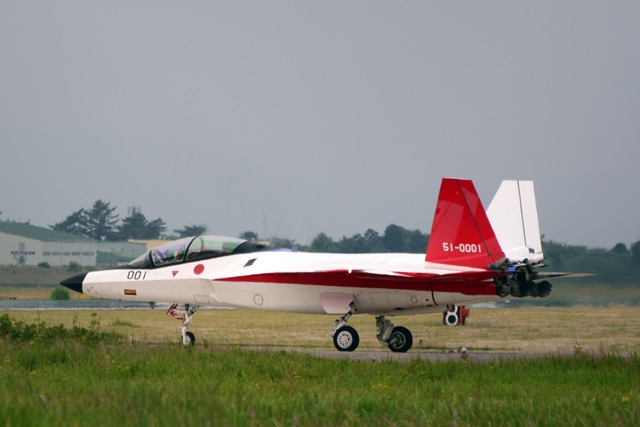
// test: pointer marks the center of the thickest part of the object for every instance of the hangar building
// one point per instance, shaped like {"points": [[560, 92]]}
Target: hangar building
{"points": [[25, 244]]}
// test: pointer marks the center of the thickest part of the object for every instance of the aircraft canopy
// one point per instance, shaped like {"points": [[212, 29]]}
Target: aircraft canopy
{"points": [[193, 249]]}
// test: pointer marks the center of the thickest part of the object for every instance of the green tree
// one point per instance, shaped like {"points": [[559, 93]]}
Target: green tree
{"points": [[355, 244], [101, 221], [249, 235], [283, 243], [394, 238], [136, 226], [620, 248], [97, 223], [373, 241], [635, 255], [416, 242], [322, 243], [155, 228], [558, 254], [133, 226], [370, 242], [76, 223], [191, 230]]}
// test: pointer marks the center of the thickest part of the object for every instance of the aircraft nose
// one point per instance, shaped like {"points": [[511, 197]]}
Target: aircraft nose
{"points": [[75, 282]]}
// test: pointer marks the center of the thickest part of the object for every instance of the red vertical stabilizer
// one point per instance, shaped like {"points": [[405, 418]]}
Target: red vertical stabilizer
{"points": [[461, 233]]}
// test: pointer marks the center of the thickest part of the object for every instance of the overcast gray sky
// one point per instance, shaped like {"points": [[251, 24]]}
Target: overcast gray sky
{"points": [[332, 116]]}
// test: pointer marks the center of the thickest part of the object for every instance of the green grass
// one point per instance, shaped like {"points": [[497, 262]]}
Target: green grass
{"points": [[123, 323], [67, 380]]}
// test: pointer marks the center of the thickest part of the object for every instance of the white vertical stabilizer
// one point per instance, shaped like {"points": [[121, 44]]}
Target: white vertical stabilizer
{"points": [[514, 217]]}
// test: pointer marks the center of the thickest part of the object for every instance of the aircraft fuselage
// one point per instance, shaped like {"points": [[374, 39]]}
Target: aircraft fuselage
{"points": [[295, 282]]}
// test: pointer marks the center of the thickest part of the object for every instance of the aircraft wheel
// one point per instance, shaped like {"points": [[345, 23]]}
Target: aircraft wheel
{"points": [[191, 339], [346, 339], [451, 318], [401, 340]]}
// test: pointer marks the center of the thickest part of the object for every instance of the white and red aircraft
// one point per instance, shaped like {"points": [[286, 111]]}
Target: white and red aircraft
{"points": [[473, 256]]}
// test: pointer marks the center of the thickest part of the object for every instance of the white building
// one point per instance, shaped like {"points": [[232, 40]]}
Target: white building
{"points": [[26, 244]]}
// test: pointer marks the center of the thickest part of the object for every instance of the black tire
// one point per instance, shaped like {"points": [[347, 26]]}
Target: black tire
{"points": [[346, 339], [401, 340], [191, 338]]}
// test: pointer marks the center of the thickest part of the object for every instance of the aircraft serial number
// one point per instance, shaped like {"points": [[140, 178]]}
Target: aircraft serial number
{"points": [[136, 275], [466, 248]]}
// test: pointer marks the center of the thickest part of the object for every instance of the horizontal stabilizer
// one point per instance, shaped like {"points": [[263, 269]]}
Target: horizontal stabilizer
{"points": [[552, 275]]}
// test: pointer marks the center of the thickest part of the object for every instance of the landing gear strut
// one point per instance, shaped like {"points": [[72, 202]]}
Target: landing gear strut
{"points": [[345, 338], [397, 338], [185, 315]]}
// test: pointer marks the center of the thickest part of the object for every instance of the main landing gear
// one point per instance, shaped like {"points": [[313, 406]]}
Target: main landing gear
{"points": [[346, 338], [397, 338], [184, 314], [455, 315]]}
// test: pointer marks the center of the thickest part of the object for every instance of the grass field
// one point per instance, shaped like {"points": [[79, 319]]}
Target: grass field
{"points": [[145, 378], [543, 330]]}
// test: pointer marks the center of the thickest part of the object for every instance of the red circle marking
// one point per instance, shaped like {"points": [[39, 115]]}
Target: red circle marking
{"points": [[198, 269]]}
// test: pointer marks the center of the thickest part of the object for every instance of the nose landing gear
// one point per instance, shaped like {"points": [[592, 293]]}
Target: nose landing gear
{"points": [[185, 315]]}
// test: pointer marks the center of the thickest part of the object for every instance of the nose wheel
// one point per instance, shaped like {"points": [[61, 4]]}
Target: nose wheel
{"points": [[185, 315], [190, 339]]}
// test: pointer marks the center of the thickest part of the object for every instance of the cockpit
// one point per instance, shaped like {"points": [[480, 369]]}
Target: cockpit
{"points": [[194, 249]]}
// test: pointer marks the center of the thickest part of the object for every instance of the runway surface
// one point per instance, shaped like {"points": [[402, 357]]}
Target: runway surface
{"points": [[430, 355]]}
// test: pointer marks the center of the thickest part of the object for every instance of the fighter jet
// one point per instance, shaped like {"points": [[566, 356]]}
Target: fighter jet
{"points": [[473, 256]]}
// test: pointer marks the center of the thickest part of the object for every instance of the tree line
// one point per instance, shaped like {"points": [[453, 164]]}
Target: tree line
{"points": [[619, 265], [100, 222], [394, 239]]}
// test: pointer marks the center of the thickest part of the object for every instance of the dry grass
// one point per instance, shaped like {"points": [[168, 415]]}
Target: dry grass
{"points": [[24, 292], [602, 330], [33, 292]]}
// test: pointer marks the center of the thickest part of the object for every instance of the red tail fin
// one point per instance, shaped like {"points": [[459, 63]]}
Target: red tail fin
{"points": [[461, 233]]}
